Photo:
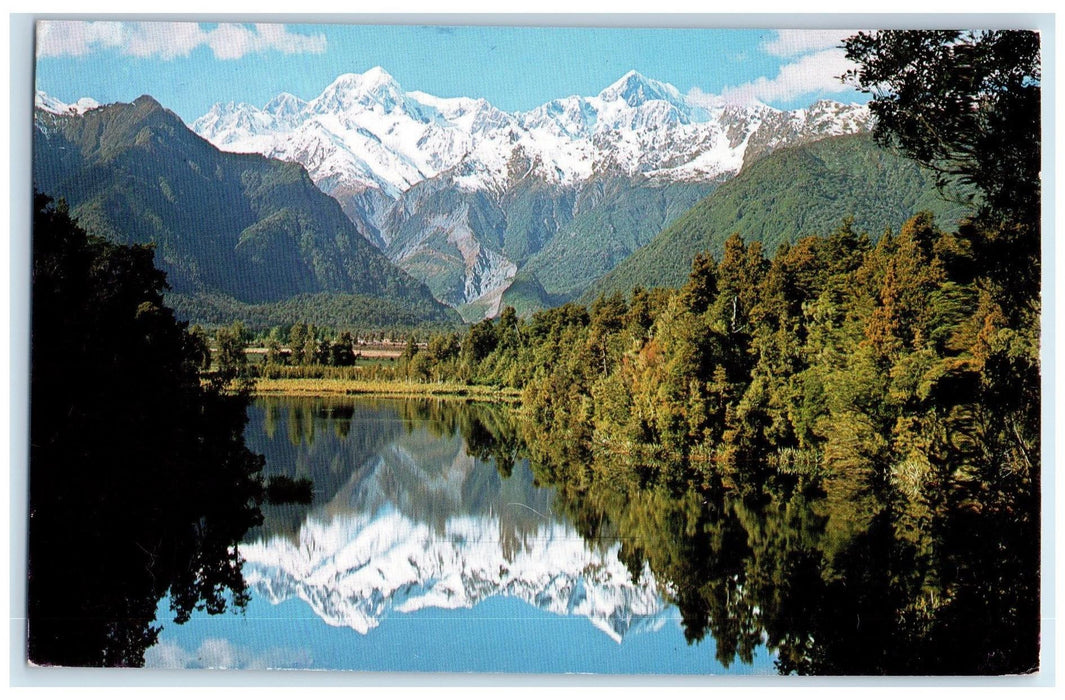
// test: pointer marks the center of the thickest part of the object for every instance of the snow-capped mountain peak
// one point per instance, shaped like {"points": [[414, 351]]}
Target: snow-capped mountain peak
{"points": [[238, 127], [374, 90], [48, 103], [285, 106], [377, 76], [634, 89]]}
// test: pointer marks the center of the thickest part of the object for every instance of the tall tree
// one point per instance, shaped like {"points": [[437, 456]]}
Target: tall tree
{"points": [[140, 481], [232, 361], [963, 103]]}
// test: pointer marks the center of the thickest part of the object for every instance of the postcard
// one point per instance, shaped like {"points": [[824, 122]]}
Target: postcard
{"points": [[535, 349]]}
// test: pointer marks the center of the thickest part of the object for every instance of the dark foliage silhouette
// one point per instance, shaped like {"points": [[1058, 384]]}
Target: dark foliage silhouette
{"points": [[140, 483]]}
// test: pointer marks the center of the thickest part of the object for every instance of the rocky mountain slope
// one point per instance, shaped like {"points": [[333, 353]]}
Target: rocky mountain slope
{"points": [[464, 196]]}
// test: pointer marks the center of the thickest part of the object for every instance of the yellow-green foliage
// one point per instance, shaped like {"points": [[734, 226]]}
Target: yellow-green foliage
{"points": [[326, 386], [888, 364]]}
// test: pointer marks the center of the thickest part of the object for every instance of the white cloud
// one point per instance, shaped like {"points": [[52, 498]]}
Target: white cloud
{"points": [[76, 38], [165, 40], [169, 40], [223, 654], [813, 74], [277, 37], [816, 64], [797, 42]]}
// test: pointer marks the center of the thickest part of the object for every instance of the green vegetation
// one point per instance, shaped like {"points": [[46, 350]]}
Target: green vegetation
{"points": [[526, 295], [791, 193], [322, 309], [140, 482], [239, 236], [965, 104], [614, 219], [534, 212], [833, 338]]}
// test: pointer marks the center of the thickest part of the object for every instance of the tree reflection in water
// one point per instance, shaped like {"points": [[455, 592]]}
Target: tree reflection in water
{"points": [[834, 573], [333, 442], [832, 576]]}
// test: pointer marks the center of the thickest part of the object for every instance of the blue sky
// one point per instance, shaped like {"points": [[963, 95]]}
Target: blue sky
{"points": [[189, 66], [500, 634]]}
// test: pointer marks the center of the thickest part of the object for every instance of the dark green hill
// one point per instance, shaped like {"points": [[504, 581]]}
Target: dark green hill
{"points": [[243, 227], [527, 295], [614, 218], [795, 192]]}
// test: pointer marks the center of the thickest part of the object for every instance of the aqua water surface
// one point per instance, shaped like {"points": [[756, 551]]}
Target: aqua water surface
{"points": [[427, 547]]}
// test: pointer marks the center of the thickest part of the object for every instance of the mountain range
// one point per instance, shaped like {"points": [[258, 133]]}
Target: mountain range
{"points": [[471, 199], [476, 207]]}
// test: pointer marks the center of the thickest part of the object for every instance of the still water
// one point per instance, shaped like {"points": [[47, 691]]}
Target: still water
{"points": [[427, 548]]}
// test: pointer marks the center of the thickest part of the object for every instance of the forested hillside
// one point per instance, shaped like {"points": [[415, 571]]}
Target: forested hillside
{"points": [[805, 190], [613, 220], [244, 227]]}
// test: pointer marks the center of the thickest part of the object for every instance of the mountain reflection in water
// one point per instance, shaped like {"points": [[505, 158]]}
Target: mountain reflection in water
{"points": [[405, 518]]}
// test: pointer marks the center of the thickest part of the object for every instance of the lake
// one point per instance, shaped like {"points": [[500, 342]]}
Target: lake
{"points": [[429, 546]]}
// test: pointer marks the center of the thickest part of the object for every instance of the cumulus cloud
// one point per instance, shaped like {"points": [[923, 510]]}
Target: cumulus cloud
{"points": [[816, 73], [169, 40], [816, 61], [798, 42], [223, 654]]}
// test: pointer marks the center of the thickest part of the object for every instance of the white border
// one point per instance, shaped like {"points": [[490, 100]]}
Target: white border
{"points": [[14, 306]]}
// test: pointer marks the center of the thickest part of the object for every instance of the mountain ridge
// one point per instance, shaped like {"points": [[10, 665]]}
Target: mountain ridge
{"points": [[240, 225]]}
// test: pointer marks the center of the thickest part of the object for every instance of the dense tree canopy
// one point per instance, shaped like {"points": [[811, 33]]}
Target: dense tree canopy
{"points": [[140, 483], [966, 104]]}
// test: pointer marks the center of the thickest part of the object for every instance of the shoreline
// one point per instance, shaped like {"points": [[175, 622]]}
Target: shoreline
{"points": [[393, 389]]}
